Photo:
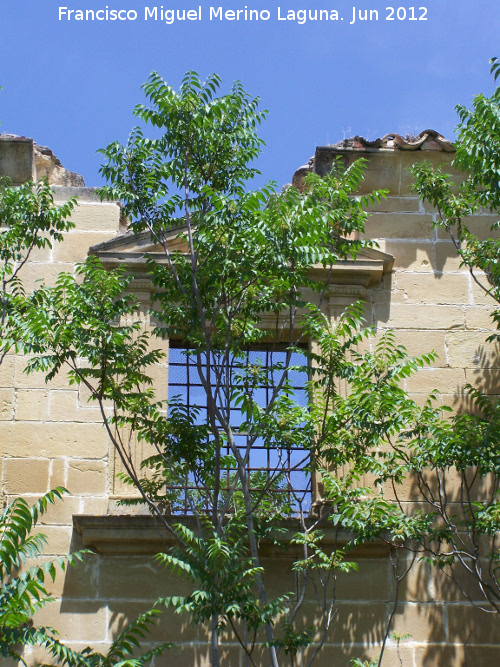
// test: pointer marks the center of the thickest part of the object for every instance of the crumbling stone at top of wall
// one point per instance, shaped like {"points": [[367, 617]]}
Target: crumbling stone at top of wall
{"points": [[49, 166], [383, 171]]}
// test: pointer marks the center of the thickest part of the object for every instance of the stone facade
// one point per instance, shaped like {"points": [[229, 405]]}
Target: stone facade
{"points": [[50, 435]]}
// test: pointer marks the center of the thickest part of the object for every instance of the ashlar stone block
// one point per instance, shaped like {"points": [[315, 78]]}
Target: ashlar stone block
{"points": [[6, 404], [26, 475], [32, 404], [76, 245], [399, 226], [445, 289], [87, 477], [468, 349], [78, 620], [20, 439], [422, 317], [97, 217]]}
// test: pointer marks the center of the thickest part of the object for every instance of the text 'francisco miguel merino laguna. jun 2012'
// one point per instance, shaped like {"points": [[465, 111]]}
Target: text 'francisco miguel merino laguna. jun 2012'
{"points": [[209, 13]]}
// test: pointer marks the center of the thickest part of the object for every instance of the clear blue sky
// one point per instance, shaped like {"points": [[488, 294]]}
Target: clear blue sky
{"points": [[72, 85]]}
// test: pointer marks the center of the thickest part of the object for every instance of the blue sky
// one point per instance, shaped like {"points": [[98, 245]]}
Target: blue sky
{"points": [[72, 85]]}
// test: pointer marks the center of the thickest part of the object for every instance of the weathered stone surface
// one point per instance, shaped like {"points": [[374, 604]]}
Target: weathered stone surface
{"points": [[480, 225], [437, 159], [64, 406], [23, 160], [48, 166], [6, 404], [480, 295], [22, 380], [138, 578], [372, 581], [465, 620], [40, 273], [438, 655], [383, 173], [446, 257], [32, 404], [94, 217], [83, 194], [480, 317], [424, 621], [469, 350], [442, 379], [418, 256], [53, 440], [445, 289], [16, 158], [61, 513], [77, 245], [79, 620], [7, 372], [392, 204], [58, 539], [169, 627], [425, 342]]}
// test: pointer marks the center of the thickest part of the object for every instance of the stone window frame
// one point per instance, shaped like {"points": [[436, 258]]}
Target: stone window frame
{"points": [[347, 281]]}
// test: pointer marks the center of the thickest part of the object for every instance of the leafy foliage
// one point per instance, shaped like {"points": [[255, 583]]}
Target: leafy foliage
{"points": [[23, 592], [234, 270], [29, 220]]}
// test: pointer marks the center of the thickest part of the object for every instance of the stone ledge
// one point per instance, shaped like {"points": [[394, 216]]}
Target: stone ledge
{"points": [[129, 534]]}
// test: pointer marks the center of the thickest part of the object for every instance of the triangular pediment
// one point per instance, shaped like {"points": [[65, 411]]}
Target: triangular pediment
{"points": [[134, 250], [131, 248]]}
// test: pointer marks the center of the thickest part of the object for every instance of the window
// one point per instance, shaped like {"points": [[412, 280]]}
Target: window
{"points": [[283, 471]]}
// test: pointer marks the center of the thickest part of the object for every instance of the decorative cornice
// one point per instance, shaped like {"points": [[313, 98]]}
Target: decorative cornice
{"points": [[134, 252]]}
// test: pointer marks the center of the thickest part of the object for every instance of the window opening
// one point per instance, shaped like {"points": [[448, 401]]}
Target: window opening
{"points": [[285, 470]]}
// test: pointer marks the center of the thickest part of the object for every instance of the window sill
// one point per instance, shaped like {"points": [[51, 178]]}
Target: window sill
{"points": [[140, 534]]}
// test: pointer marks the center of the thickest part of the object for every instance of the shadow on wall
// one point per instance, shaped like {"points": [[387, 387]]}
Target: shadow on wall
{"points": [[106, 592]]}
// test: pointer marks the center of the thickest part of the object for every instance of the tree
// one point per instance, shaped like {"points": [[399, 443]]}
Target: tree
{"points": [[29, 220], [234, 261], [453, 463], [477, 155], [23, 592]]}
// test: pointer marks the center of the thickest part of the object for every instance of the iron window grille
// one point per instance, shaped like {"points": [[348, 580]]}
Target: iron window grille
{"points": [[284, 472]]}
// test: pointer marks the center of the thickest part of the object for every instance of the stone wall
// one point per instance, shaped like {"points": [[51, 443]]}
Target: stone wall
{"points": [[51, 436]]}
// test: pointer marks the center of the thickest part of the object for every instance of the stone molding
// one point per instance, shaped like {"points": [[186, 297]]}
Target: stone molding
{"points": [[140, 534]]}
